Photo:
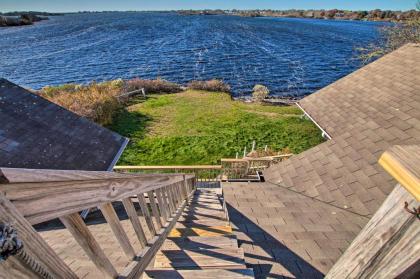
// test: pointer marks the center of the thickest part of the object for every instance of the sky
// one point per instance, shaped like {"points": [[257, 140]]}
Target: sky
{"points": [[124, 5]]}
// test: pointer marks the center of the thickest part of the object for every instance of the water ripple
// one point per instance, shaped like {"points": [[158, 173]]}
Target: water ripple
{"points": [[290, 56]]}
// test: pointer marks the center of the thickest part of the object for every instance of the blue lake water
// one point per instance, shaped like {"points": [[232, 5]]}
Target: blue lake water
{"points": [[291, 56]]}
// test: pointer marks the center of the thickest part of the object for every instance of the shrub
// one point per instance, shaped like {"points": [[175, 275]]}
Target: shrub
{"points": [[214, 85], [153, 86], [95, 101], [260, 92]]}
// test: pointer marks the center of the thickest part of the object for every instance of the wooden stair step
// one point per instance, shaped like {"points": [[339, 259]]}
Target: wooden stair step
{"points": [[201, 231], [225, 258], [200, 242], [201, 223], [244, 273], [205, 206]]}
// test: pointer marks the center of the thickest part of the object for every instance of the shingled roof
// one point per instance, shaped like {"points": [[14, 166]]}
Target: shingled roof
{"points": [[365, 113], [35, 133], [300, 221]]}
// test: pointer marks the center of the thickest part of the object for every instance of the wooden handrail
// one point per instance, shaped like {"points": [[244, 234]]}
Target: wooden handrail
{"points": [[193, 167], [28, 197], [14, 175], [41, 201], [403, 163]]}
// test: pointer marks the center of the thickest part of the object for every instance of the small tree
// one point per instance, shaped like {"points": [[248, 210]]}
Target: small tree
{"points": [[260, 92]]}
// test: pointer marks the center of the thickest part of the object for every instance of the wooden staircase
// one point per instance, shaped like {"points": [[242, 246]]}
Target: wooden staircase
{"points": [[202, 244]]}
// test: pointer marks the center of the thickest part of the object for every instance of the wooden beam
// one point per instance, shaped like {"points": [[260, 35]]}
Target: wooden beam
{"points": [[132, 215], [74, 223], [14, 268], [34, 245], [387, 246], [112, 219]]}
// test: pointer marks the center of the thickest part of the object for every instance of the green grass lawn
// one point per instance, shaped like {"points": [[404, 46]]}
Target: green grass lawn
{"points": [[196, 127]]}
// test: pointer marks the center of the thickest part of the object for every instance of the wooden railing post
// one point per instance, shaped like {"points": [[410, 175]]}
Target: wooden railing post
{"points": [[34, 246]]}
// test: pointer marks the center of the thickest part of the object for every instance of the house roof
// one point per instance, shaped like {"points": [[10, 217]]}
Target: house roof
{"points": [[365, 113], [313, 205], [35, 133]]}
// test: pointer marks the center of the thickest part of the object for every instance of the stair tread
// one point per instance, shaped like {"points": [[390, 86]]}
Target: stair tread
{"points": [[200, 274], [201, 231], [201, 245], [200, 258], [200, 242]]}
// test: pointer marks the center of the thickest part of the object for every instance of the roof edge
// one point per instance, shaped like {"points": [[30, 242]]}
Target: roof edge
{"points": [[324, 133], [118, 155]]}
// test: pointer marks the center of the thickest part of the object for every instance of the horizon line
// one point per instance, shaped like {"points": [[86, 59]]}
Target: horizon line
{"points": [[209, 9]]}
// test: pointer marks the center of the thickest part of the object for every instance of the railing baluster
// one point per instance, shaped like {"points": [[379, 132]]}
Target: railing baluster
{"points": [[178, 193], [184, 188], [112, 218], [155, 210], [170, 201], [173, 196], [162, 205], [146, 213], [77, 227], [132, 215]]}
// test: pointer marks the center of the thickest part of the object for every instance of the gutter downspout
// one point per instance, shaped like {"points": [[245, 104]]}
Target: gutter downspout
{"points": [[324, 133]]}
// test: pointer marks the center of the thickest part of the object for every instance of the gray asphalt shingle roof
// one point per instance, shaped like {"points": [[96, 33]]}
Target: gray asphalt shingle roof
{"points": [[37, 134], [312, 205]]}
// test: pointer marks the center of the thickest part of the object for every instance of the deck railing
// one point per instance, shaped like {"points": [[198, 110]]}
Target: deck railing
{"points": [[248, 168], [29, 197], [230, 169]]}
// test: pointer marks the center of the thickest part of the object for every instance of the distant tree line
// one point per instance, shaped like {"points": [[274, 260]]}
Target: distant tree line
{"points": [[393, 37], [373, 15]]}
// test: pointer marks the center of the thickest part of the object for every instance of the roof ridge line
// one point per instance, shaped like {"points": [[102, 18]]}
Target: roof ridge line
{"points": [[349, 211]]}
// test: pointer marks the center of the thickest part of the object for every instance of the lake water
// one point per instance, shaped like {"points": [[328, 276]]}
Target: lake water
{"points": [[291, 56]]}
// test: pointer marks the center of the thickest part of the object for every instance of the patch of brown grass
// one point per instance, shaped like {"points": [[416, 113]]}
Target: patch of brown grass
{"points": [[214, 85], [153, 86], [95, 101]]}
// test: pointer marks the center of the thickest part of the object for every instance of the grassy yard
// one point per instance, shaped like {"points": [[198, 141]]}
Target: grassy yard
{"points": [[197, 127]]}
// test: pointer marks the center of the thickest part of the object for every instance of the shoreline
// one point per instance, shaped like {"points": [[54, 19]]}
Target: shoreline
{"points": [[334, 14]]}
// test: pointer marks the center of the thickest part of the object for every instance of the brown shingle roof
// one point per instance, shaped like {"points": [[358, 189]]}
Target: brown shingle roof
{"points": [[302, 219], [365, 113], [37, 134]]}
